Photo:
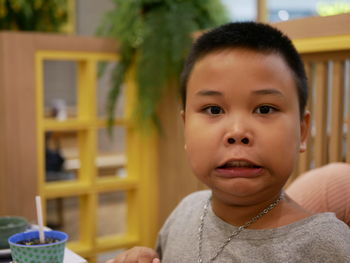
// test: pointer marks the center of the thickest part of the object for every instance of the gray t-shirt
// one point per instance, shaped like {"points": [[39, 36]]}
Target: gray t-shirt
{"points": [[319, 238]]}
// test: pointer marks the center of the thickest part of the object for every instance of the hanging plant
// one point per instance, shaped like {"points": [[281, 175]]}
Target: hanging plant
{"points": [[33, 15], [154, 36]]}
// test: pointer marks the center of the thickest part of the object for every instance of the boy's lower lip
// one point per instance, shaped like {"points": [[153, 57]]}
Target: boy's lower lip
{"points": [[244, 172]]}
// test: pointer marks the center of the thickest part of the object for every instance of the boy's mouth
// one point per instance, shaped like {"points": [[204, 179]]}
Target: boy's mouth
{"points": [[238, 164], [239, 168]]}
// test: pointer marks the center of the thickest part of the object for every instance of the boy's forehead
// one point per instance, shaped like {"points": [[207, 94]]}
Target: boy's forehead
{"points": [[229, 64], [237, 58], [242, 51]]}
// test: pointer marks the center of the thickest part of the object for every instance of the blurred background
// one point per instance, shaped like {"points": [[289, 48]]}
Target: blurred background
{"points": [[75, 73]]}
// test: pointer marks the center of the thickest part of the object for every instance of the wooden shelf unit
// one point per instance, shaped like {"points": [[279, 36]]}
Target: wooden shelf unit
{"points": [[22, 139]]}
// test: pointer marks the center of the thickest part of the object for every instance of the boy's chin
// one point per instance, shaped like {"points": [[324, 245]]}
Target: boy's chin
{"points": [[247, 196], [245, 192]]}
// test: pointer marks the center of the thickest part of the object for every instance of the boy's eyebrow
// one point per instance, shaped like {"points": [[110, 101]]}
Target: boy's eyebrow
{"points": [[209, 93], [268, 92], [256, 92]]}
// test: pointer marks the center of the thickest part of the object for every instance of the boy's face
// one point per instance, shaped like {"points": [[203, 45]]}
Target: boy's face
{"points": [[243, 130]]}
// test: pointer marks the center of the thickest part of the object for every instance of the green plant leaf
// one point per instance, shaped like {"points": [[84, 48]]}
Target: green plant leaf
{"points": [[156, 35], [38, 15]]}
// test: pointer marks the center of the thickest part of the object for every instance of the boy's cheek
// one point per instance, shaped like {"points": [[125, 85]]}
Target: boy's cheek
{"points": [[285, 154], [197, 163], [200, 148]]}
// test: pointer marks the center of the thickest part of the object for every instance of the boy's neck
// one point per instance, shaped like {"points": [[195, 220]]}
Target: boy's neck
{"points": [[286, 212]]}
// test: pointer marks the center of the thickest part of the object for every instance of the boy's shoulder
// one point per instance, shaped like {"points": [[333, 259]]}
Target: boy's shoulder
{"points": [[327, 239], [316, 227], [328, 222], [327, 226], [193, 202], [189, 206], [320, 233], [196, 197]]}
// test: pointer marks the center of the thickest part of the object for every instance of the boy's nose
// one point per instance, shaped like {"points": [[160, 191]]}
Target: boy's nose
{"points": [[238, 132], [244, 140]]}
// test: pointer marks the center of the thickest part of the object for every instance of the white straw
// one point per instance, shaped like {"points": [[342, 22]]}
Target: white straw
{"points": [[39, 213]]}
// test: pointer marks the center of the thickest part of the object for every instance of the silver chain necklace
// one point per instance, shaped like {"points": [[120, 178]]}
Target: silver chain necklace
{"points": [[234, 233]]}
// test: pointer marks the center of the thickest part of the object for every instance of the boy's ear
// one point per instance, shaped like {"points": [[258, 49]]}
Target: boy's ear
{"points": [[304, 131], [182, 113]]}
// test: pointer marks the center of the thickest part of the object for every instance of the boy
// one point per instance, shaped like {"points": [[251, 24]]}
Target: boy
{"points": [[244, 91]]}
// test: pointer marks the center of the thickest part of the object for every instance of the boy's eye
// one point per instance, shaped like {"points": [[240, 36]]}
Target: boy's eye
{"points": [[213, 110], [265, 109]]}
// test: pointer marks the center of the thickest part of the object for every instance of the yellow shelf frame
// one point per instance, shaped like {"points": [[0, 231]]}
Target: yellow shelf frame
{"points": [[141, 181]]}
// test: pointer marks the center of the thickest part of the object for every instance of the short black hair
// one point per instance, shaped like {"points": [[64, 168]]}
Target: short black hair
{"points": [[255, 36]]}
